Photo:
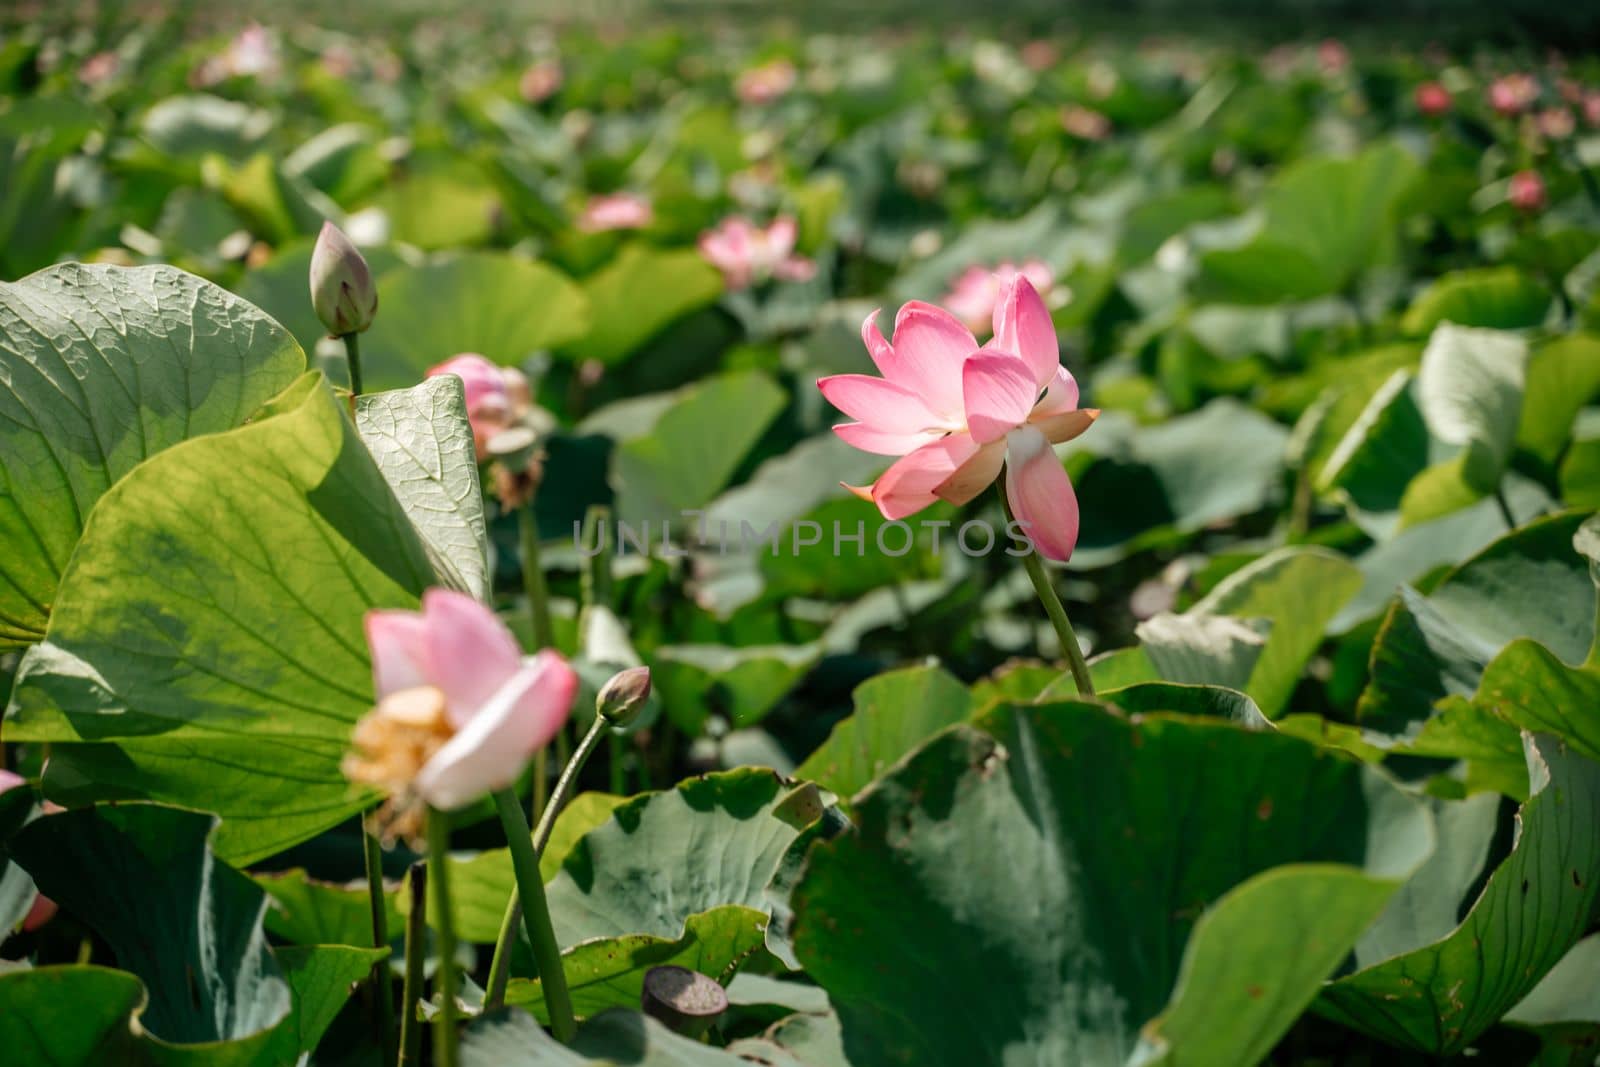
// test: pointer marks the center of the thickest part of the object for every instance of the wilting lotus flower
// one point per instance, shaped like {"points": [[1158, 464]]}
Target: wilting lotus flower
{"points": [[489, 403], [1513, 94], [764, 84], [43, 908], [977, 291], [745, 253], [1433, 99], [460, 711], [619, 211], [955, 413], [1526, 192]]}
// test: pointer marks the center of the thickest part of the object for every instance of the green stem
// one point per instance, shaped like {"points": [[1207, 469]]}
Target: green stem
{"points": [[416, 959], [1505, 508], [352, 356], [444, 1032], [500, 966], [380, 978], [596, 581], [1068, 637], [533, 580], [536, 917]]}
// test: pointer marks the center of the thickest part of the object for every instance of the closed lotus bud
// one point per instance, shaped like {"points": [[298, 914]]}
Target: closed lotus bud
{"points": [[1526, 192], [622, 698], [341, 284]]}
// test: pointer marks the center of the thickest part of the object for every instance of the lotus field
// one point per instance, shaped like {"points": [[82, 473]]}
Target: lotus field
{"points": [[676, 543]]}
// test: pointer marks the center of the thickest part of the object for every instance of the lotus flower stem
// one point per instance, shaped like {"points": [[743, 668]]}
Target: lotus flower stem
{"points": [[500, 966], [444, 1033], [1505, 508], [380, 978], [1052, 607], [352, 355], [536, 916], [416, 956]]}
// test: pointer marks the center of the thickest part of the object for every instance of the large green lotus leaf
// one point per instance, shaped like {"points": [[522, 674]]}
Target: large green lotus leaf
{"points": [[1528, 584], [513, 1038], [676, 451], [609, 972], [1495, 298], [1567, 992], [1091, 935], [441, 200], [1144, 698], [740, 684], [637, 295], [281, 288], [501, 306], [1383, 450], [1197, 648], [1441, 994], [187, 925], [322, 978], [1529, 687], [1470, 393], [895, 713], [422, 442], [804, 1039], [303, 911], [209, 637], [1300, 590], [645, 870], [190, 126], [1563, 375], [1325, 221], [105, 367]]}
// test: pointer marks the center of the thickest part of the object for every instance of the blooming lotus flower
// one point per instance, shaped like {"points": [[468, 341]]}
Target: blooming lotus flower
{"points": [[1433, 99], [766, 83], [746, 254], [1513, 94], [955, 413], [1526, 192], [43, 908], [460, 710], [976, 292], [619, 211], [489, 406]]}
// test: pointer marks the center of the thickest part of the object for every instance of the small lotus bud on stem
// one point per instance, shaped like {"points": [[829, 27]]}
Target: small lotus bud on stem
{"points": [[622, 698], [342, 291]]}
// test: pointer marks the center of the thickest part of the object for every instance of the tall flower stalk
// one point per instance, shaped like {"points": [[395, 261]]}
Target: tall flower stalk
{"points": [[444, 1033]]}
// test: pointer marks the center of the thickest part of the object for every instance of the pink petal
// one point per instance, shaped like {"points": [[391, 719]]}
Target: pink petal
{"points": [[1065, 426], [878, 348], [999, 393], [880, 443], [470, 652], [880, 404], [908, 486], [973, 476], [488, 753], [780, 237], [399, 644], [1041, 494], [1060, 396], [40, 912], [931, 345], [483, 381], [1022, 327]]}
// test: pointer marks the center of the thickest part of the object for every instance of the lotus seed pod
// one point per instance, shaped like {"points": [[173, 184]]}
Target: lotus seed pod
{"points": [[342, 291]]}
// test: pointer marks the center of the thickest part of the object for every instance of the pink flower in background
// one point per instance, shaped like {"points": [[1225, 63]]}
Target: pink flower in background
{"points": [[1526, 192], [1433, 99], [1591, 107], [43, 908], [1513, 94], [977, 290], [1332, 56], [618, 211], [460, 711], [251, 54], [746, 254], [1039, 55], [489, 406], [99, 68], [1557, 123], [955, 413], [764, 84], [1085, 123], [540, 81]]}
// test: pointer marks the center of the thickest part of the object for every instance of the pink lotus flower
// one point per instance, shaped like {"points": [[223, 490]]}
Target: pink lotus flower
{"points": [[1526, 192], [99, 68], [1085, 123], [975, 293], [1591, 107], [955, 413], [1557, 123], [540, 81], [746, 254], [618, 211], [1332, 56], [489, 407], [43, 908], [460, 711], [1513, 94], [766, 83], [1433, 99]]}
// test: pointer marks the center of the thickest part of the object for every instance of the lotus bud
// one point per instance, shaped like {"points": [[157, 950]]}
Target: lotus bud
{"points": [[342, 291], [622, 698]]}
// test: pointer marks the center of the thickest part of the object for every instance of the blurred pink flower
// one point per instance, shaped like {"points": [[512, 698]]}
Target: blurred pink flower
{"points": [[1332, 56], [955, 413], [460, 711], [540, 81], [1039, 55], [1512, 94], [1557, 123], [43, 908], [1591, 107], [764, 84], [1526, 192], [489, 407], [99, 68], [746, 254], [1433, 99], [617, 211], [251, 54], [974, 294], [1085, 123]]}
